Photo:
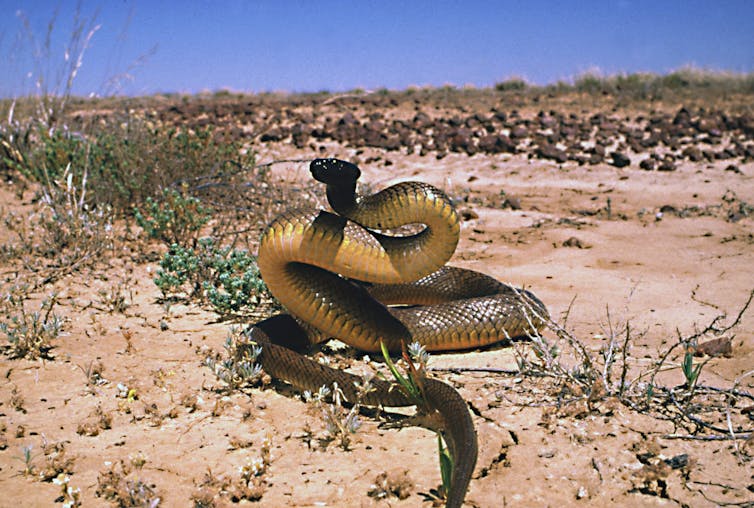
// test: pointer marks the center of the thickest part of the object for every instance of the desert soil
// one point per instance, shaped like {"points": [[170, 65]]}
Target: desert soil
{"points": [[667, 259]]}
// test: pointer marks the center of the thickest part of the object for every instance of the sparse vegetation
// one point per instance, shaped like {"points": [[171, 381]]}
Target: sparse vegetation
{"points": [[226, 278], [63, 234], [340, 423], [683, 82], [123, 485], [252, 481], [583, 378], [57, 462], [70, 496], [30, 334], [512, 85], [174, 218], [239, 366], [247, 484], [93, 373]]}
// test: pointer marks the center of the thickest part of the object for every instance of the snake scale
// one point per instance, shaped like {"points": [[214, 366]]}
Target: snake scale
{"points": [[338, 277]]}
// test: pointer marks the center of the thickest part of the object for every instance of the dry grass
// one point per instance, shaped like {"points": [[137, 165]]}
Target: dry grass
{"points": [[579, 379]]}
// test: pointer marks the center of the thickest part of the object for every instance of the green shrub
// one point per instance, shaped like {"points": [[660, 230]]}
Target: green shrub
{"points": [[590, 83], [123, 162], [512, 85], [228, 279], [175, 218], [237, 283]]}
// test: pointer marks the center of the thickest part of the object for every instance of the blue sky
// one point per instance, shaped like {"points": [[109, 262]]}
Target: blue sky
{"points": [[282, 45]]}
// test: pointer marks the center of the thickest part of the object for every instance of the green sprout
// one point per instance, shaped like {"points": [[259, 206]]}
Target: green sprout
{"points": [[413, 387], [690, 371]]}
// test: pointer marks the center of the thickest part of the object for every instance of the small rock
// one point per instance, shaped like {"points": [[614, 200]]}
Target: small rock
{"points": [[648, 164], [666, 165], [575, 242], [620, 160], [496, 143], [693, 153], [668, 209], [519, 132], [548, 151], [596, 158], [715, 347], [513, 202], [582, 492], [678, 462], [469, 214]]}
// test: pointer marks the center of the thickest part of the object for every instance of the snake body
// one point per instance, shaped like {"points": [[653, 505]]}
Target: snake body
{"points": [[334, 273]]}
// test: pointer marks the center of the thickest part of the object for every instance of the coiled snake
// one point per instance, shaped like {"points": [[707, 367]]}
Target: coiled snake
{"points": [[301, 254]]}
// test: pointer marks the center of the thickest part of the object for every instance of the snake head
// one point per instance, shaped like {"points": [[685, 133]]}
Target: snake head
{"points": [[334, 171]]}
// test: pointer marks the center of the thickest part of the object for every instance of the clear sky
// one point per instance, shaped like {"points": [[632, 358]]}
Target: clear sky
{"points": [[286, 45]]}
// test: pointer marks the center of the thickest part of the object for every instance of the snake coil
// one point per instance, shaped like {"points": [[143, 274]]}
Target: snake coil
{"points": [[337, 275]]}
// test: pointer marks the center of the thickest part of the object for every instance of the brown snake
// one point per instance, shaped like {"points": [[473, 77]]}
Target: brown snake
{"points": [[301, 254]]}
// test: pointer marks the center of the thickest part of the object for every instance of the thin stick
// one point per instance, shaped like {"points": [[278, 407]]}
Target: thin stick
{"points": [[714, 437], [490, 370]]}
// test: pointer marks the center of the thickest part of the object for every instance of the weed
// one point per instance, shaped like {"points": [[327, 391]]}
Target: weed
{"points": [[30, 335], [17, 401], [93, 373], [209, 490], [95, 423], [122, 485], [117, 298], [690, 371], [69, 496], [240, 365], [386, 485], [582, 376], [228, 279], [3, 437], [57, 461], [128, 336], [53, 80], [175, 218], [252, 483], [249, 485], [63, 234], [339, 424], [27, 457]]}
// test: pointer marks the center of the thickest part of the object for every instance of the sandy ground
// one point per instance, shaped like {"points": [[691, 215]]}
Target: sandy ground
{"points": [[182, 437]]}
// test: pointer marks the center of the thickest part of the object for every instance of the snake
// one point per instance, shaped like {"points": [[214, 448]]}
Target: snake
{"points": [[342, 275]]}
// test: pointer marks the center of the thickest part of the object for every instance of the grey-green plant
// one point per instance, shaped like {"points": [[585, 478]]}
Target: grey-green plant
{"points": [[27, 457], [239, 365], [227, 278], [340, 423], [30, 334], [174, 218]]}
